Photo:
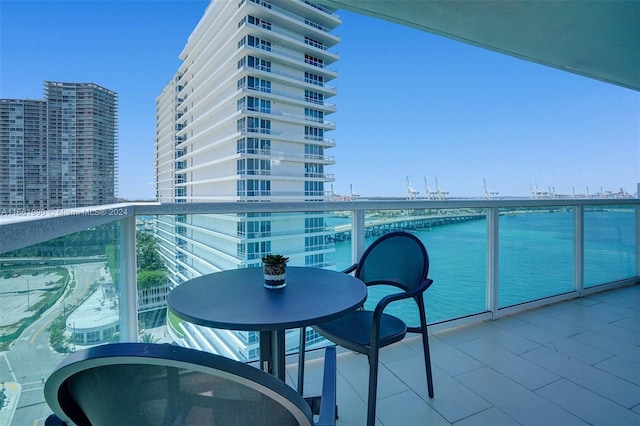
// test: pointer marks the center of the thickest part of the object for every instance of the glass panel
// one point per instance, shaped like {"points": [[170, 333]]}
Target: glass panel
{"points": [[193, 245], [455, 240], [153, 284], [56, 297], [340, 225], [535, 254], [609, 244], [457, 246]]}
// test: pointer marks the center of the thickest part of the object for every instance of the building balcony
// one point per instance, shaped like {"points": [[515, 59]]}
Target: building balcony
{"points": [[296, 37], [289, 136], [526, 328], [290, 78], [306, 176], [297, 118], [252, 152], [571, 362], [328, 18]]}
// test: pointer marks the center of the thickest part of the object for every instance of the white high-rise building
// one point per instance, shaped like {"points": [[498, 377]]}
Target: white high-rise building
{"points": [[244, 119]]}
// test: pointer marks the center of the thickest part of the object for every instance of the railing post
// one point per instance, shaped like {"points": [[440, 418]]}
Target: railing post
{"points": [[357, 235], [492, 261], [128, 286], [637, 242], [578, 249]]}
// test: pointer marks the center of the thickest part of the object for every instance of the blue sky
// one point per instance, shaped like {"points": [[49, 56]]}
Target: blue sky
{"points": [[410, 104]]}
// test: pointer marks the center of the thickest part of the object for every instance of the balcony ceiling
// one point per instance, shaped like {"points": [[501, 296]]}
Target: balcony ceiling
{"points": [[599, 39]]}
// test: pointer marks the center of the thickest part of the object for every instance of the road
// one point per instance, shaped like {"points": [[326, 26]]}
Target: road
{"points": [[30, 360]]}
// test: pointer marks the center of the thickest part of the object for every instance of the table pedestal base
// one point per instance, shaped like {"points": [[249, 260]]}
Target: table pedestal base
{"points": [[272, 353]]}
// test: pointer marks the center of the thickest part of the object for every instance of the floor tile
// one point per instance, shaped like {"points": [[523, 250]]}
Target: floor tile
{"points": [[565, 345], [407, 409], [508, 339], [552, 324], [622, 368], [588, 405], [604, 384], [516, 368], [352, 409], [355, 369], [491, 416], [576, 362], [448, 392], [517, 402], [446, 356], [617, 345]]}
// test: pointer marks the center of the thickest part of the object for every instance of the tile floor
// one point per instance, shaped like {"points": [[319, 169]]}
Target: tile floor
{"points": [[571, 363]]}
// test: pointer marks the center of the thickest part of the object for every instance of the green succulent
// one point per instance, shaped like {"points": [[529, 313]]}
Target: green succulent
{"points": [[274, 259]]}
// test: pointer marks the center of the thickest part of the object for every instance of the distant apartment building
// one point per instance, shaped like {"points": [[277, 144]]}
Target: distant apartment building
{"points": [[60, 152], [23, 154], [244, 120]]}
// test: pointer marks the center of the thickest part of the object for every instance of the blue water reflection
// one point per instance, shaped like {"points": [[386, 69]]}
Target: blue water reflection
{"points": [[535, 259]]}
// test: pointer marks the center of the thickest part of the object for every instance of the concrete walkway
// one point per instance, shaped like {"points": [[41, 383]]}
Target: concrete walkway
{"points": [[12, 391]]}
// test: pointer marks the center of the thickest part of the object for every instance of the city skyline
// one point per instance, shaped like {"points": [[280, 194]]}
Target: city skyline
{"points": [[451, 111]]}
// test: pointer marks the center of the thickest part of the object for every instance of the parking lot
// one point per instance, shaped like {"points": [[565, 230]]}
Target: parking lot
{"points": [[20, 292]]}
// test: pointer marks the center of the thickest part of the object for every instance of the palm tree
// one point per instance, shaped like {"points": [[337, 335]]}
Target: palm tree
{"points": [[147, 337]]}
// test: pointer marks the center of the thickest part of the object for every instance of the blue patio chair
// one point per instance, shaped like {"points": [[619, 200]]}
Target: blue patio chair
{"points": [[158, 384], [397, 259]]}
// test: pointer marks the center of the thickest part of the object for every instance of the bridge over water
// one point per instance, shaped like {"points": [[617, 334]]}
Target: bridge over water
{"points": [[384, 226]]}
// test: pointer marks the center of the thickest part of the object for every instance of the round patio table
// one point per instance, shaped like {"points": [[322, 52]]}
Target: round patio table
{"points": [[237, 300]]}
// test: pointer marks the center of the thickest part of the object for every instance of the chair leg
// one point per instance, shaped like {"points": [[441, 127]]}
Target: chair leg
{"points": [[427, 362], [425, 344], [301, 354], [373, 387]]}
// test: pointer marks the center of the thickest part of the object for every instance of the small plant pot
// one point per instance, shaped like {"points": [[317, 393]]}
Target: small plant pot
{"points": [[274, 276]]}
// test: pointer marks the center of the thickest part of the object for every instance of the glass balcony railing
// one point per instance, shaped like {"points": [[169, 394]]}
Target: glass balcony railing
{"points": [[81, 277], [610, 243]]}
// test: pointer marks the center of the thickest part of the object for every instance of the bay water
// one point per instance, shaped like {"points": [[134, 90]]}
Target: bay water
{"points": [[536, 259]]}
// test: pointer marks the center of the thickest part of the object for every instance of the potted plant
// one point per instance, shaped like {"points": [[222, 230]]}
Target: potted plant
{"points": [[275, 266]]}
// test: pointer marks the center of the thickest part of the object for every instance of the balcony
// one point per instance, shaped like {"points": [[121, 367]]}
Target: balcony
{"points": [[510, 345], [572, 362]]}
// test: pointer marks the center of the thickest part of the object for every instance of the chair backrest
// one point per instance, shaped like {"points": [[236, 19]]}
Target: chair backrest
{"points": [[158, 384], [397, 258]]}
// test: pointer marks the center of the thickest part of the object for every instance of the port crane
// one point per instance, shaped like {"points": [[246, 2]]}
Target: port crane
{"points": [[412, 194], [428, 194], [539, 193], [440, 194], [488, 195], [352, 194]]}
